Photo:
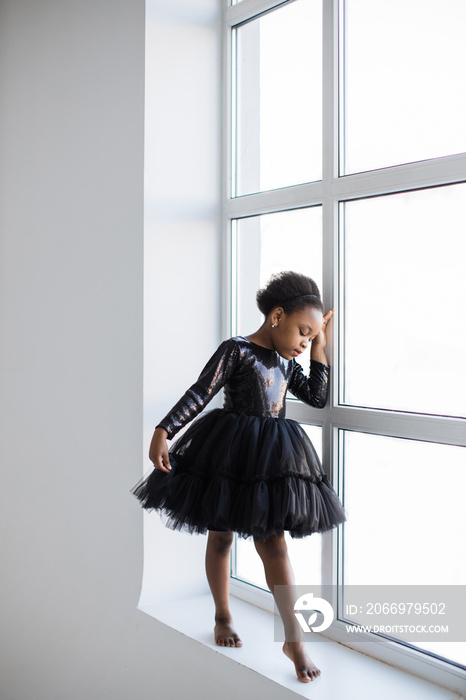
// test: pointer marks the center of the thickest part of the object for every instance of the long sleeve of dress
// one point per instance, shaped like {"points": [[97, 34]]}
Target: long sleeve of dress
{"points": [[212, 378], [313, 389]]}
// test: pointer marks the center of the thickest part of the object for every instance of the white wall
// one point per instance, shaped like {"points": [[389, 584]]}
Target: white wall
{"points": [[71, 349], [182, 243], [71, 139]]}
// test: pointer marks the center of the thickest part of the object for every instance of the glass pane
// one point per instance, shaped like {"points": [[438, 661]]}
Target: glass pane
{"points": [[404, 291], [405, 93], [406, 518], [305, 554], [289, 240], [279, 98]]}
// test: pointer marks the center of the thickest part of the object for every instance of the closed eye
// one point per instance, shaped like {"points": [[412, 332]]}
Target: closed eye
{"points": [[309, 335]]}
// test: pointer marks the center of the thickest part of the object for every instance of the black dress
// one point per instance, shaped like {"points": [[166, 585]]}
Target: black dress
{"points": [[244, 467]]}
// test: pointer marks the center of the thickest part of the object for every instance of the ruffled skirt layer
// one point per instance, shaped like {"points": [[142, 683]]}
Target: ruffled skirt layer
{"points": [[251, 475]]}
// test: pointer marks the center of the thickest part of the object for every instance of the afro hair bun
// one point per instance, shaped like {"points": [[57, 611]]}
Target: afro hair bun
{"points": [[290, 290]]}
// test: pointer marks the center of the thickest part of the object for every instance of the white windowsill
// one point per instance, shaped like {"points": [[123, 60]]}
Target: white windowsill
{"points": [[346, 673]]}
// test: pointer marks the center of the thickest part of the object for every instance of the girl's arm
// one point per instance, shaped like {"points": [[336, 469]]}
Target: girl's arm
{"points": [[313, 389], [215, 374]]}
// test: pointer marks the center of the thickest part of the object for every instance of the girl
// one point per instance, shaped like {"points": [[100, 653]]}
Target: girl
{"points": [[244, 468]]}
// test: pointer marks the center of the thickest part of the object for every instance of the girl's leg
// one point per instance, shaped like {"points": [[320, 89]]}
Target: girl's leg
{"points": [[278, 572], [217, 566]]}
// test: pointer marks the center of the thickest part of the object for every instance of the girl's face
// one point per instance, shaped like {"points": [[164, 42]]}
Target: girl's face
{"points": [[295, 331]]}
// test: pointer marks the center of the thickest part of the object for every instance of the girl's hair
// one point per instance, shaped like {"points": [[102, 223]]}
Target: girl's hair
{"points": [[290, 290]]}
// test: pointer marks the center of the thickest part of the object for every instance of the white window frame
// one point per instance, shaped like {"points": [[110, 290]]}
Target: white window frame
{"points": [[330, 192]]}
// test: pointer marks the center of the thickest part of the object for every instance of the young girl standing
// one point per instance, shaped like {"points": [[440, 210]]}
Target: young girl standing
{"points": [[244, 468]]}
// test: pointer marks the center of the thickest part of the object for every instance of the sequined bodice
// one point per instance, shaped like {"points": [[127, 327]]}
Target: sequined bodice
{"points": [[255, 381], [258, 386]]}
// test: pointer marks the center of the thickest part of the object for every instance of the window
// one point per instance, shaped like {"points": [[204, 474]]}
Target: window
{"points": [[403, 82], [278, 96], [352, 170]]}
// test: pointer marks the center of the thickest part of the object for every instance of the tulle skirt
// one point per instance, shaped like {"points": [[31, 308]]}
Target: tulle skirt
{"points": [[248, 474]]}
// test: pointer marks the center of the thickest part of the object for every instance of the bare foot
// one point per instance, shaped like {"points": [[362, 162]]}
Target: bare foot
{"points": [[225, 635], [306, 669]]}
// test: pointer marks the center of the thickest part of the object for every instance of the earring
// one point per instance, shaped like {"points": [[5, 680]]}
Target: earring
{"points": [[274, 324]]}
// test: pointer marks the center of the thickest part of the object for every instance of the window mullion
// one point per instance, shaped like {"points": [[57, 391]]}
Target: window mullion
{"points": [[445, 430], [330, 247], [247, 9], [294, 197], [401, 178]]}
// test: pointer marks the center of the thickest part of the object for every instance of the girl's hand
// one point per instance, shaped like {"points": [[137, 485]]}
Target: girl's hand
{"points": [[320, 341], [158, 450], [321, 337]]}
